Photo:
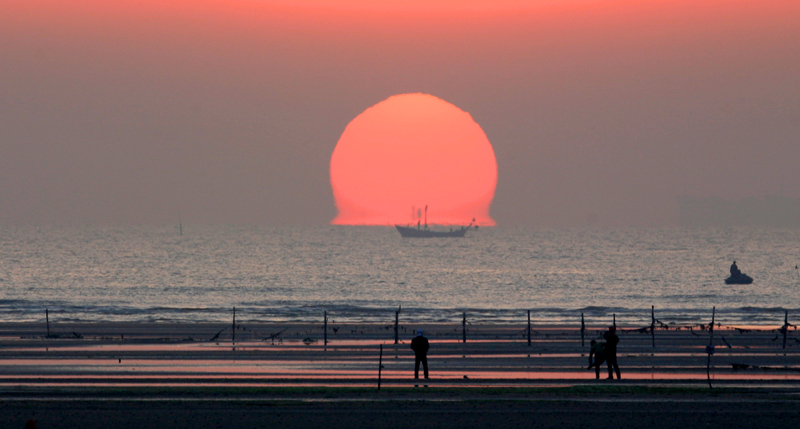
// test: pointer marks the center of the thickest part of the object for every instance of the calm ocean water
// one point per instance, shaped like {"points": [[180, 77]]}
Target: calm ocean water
{"points": [[362, 274]]}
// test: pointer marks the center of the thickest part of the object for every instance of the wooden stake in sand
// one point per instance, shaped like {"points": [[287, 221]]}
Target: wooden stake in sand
{"points": [[325, 329], [380, 367], [529, 328], [583, 329], [47, 318], [653, 324], [396, 324], [785, 327], [710, 347], [233, 339], [464, 327]]}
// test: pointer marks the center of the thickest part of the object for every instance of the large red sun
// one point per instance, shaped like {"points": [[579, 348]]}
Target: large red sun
{"points": [[411, 151]]}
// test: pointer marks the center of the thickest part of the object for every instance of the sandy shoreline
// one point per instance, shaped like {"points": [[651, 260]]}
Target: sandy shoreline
{"points": [[273, 353], [142, 375]]}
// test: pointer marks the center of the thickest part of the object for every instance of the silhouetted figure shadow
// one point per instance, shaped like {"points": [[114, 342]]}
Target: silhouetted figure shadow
{"points": [[611, 351], [420, 346]]}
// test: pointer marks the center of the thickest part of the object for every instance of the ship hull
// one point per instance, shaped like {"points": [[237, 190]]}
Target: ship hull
{"points": [[426, 233], [741, 279]]}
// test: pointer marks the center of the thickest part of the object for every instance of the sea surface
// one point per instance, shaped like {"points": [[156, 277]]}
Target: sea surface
{"points": [[364, 274]]}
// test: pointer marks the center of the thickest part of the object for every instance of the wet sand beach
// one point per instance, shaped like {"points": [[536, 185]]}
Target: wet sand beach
{"points": [[146, 374]]}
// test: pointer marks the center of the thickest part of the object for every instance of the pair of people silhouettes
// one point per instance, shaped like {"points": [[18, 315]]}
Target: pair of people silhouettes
{"points": [[605, 352]]}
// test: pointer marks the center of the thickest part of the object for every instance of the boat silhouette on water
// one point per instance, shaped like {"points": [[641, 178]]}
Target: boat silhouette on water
{"points": [[422, 230], [739, 279]]}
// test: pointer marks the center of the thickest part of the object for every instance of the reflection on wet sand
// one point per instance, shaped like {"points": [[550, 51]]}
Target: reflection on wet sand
{"points": [[554, 358]]}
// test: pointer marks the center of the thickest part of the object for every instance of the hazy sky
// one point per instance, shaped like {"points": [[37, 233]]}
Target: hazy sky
{"points": [[229, 111]]}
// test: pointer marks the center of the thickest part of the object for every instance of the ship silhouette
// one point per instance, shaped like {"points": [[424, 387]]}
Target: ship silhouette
{"points": [[422, 230]]}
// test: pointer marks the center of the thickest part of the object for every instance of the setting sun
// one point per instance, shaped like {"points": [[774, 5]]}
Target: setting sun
{"points": [[411, 151]]}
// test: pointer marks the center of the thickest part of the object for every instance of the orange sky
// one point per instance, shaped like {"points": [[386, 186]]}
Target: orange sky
{"points": [[228, 111]]}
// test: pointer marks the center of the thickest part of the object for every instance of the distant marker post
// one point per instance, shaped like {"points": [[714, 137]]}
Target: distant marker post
{"points": [[653, 324], [396, 326], [464, 327], [785, 327], [710, 347], [583, 330], [529, 328], [380, 367]]}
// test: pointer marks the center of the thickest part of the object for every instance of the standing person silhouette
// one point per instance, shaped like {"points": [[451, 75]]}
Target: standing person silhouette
{"points": [[611, 351], [420, 346]]}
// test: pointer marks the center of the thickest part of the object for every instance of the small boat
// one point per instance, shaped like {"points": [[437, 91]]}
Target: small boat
{"points": [[739, 279], [422, 231]]}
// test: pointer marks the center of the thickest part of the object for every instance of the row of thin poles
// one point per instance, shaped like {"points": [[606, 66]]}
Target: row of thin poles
{"points": [[652, 328], [709, 348], [784, 329]]}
